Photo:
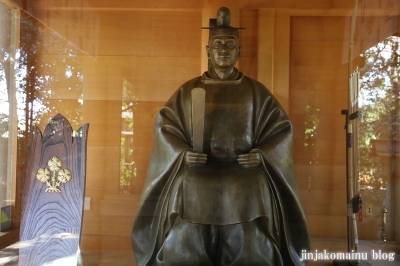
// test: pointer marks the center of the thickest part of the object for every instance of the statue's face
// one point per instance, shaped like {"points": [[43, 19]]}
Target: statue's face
{"points": [[224, 51]]}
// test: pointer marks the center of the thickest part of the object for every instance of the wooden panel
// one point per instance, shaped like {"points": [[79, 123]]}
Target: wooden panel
{"points": [[249, 36], [105, 122], [120, 205], [125, 223], [309, 4], [55, 186], [91, 225], [91, 218], [320, 177], [58, 76], [318, 93], [319, 53], [266, 47], [316, 103], [248, 65], [329, 127], [320, 152], [120, 4], [318, 225], [48, 108], [141, 159], [144, 118], [118, 209], [281, 65], [323, 202], [148, 78], [103, 167], [249, 42], [112, 242], [145, 32], [312, 28], [158, 78], [103, 78], [90, 243], [319, 77], [151, 33]]}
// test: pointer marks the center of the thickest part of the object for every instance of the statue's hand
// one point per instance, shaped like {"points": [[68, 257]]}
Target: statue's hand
{"points": [[194, 158], [250, 160]]}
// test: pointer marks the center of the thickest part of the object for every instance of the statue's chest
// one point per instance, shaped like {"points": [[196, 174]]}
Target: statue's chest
{"points": [[228, 121]]}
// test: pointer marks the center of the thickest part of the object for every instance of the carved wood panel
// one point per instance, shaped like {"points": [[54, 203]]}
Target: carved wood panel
{"points": [[54, 193]]}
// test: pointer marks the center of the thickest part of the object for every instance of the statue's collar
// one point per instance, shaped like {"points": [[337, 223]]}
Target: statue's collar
{"points": [[210, 77]]}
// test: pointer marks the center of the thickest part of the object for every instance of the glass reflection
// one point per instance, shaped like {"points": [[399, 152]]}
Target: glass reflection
{"points": [[311, 123], [48, 80], [49, 71], [6, 96], [378, 130], [128, 170]]}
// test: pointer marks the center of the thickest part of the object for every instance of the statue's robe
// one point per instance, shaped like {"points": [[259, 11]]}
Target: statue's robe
{"points": [[241, 116]]}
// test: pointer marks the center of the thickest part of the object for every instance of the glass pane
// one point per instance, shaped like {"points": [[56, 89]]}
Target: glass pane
{"points": [[375, 53], [378, 133], [49, 76], [6, 114], [318, 93]]}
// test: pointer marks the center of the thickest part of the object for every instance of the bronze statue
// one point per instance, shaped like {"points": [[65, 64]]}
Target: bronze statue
{"points": [[236, 202]]}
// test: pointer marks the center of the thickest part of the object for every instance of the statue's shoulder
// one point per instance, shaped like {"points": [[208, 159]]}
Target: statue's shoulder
{"points": [[257, 86], [192, 83], [186, 88], [184, 91], [262, 93]]}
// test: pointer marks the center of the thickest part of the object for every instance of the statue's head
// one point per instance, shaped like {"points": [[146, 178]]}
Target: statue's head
{"points": [[223, 27], [223, 45]]}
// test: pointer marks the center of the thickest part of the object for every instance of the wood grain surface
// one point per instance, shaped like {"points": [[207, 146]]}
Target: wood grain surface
{"points": [[51, 221]]}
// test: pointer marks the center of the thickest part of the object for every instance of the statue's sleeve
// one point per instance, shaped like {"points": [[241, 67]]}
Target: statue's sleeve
{"points": [[274, 141], [171, 139]]}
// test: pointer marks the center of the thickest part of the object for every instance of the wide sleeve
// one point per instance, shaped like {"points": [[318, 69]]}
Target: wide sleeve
{"points": [[274, 141], [171, 139]]}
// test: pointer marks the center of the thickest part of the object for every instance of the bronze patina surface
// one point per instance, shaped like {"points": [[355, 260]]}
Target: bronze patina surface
{"points": [[236, 202]]}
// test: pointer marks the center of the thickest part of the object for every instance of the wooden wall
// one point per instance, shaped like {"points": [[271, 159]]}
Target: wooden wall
{"points": [[318, 93], [149, 53], [299, 49], [319, 67]]}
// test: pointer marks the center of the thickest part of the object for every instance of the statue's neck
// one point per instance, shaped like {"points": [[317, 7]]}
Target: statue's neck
{"points": [[222, 74]]}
